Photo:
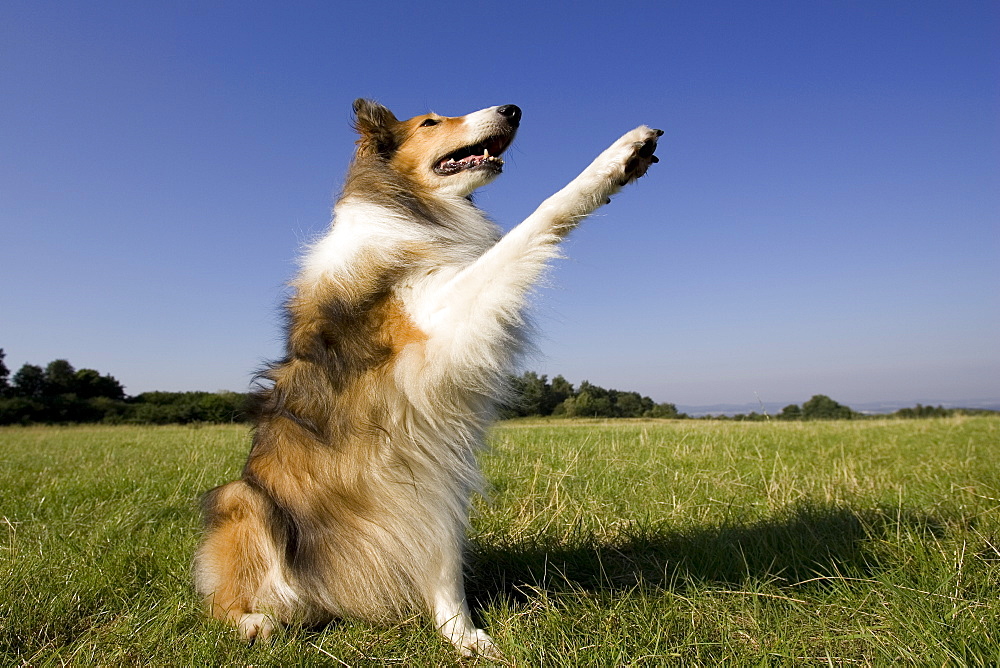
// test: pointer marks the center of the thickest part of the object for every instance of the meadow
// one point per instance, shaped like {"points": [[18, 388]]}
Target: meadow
{"points": [[615, 543]]}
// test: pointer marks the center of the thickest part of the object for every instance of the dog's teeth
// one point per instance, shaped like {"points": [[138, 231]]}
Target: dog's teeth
{"points": [[486, 152]]}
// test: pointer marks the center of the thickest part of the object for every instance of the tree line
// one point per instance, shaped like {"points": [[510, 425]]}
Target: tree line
{"points": [[535, 395], [59, 393]]}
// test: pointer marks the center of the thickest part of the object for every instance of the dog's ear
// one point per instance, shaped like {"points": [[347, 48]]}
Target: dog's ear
{"points": [[376, 125]]}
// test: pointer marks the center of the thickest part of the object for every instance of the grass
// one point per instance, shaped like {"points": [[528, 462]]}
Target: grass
{"points": [[603, 544]]}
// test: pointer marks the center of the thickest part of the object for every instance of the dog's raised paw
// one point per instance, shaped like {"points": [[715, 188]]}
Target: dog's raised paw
{"points": [[643, 145]]}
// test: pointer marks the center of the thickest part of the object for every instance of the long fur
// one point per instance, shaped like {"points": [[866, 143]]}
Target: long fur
{"points": [[405, 319]]}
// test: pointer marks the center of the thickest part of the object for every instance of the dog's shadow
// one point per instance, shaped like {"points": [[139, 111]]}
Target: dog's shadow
{"points": [[803, 542]]}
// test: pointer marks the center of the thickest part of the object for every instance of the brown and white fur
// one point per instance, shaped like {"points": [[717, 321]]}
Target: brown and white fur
{"points": [[405, 319]]}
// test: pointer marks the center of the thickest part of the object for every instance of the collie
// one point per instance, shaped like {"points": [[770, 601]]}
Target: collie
{"points": [[404, 322]]}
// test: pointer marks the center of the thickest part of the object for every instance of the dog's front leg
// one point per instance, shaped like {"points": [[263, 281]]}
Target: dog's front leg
{"points": [[452, 618], [526, 249], [477, 310], [623, 162]]}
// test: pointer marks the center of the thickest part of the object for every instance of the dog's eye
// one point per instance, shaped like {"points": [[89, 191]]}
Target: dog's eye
{"points": [[429, 122]]}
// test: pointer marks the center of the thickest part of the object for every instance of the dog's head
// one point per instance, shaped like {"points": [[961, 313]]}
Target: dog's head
{"points": [[452, 155]]}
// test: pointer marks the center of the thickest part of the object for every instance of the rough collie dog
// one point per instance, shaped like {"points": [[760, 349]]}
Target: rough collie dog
{"points": [[406, 317]]}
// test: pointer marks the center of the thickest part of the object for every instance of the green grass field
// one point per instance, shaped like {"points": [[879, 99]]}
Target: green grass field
{"points": [[603, 544]]}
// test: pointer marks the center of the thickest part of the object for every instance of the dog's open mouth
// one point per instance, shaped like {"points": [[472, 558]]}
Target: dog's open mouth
{"points": [[484, 155]]}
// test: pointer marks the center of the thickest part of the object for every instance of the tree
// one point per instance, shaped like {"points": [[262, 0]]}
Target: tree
{"points": [[4, 376], [59, 378], [790, 412], [822, 407], [534, 392], [920, 411], [29, 382], [590, 401], [664, 410], [562, 390], [628, 404], [90, 384]]}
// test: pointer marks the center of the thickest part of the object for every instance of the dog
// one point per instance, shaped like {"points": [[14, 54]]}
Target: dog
{"points": [[404, 322]]}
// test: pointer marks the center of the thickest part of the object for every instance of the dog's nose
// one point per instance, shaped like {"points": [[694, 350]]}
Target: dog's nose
{"points": [[511, 112]]}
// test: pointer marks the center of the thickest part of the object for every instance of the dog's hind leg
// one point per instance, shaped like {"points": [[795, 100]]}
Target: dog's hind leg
{"points": [[237, 569]]}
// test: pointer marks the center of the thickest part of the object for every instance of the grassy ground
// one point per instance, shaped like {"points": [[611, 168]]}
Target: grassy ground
{"points": [[604, 544]]}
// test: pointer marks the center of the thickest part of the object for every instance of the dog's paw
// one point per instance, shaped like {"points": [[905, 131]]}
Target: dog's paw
{"points": [[634, 153], [623, 162], [257, 626], [479, 644]]}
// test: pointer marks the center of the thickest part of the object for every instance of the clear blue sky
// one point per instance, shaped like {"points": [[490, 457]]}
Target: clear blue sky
{"points": [[825, 217]]}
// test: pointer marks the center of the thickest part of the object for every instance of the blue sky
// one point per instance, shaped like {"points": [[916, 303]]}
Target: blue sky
{"points": [[825, 217]]}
